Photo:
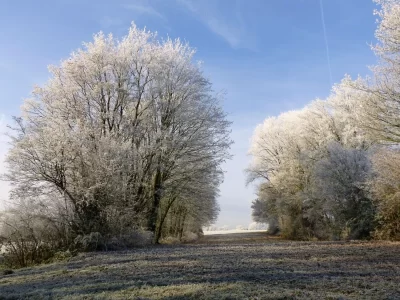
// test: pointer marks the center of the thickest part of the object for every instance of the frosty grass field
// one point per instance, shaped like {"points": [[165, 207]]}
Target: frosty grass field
{"points": [[247, 265]]}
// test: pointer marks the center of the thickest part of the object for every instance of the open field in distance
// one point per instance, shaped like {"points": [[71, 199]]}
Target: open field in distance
{"points": [[232, 231]]}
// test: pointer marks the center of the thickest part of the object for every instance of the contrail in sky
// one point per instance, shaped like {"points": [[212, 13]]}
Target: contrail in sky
{"points": [[326, 42]]}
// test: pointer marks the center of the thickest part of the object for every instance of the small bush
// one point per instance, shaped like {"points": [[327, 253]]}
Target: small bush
{"points": [[90, 242], [170, 240], [24, 253], [30, 233], [62, 255], [189, 237]]}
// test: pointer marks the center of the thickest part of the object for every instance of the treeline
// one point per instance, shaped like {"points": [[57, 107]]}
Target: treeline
{"points": [[127, 136], [331, 170]]}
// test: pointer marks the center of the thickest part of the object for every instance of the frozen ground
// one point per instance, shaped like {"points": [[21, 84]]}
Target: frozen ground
{"points": [[247, 265]]}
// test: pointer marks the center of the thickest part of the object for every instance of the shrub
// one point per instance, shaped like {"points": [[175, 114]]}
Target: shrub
{"points": [[189, 237], [170, 240], [90, 242], [28, 238], [23, 252], [62, 255]]}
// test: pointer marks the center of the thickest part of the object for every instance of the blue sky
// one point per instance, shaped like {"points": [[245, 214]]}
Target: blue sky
{"points": [[269, 56]]}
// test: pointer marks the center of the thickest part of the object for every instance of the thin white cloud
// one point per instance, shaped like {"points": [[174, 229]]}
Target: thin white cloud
{"points": [[137, 9], [231, 28], [328, 57], [232, 36], [144, 8], [107, 22]]}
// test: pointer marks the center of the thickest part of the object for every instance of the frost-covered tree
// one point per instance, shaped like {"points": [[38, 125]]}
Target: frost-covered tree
{"points": [[277, 149], [266, 208], [285, 151], [257, 226], [123, 126], [378, 96], [385, 188], [314, 165], [340, 181]]}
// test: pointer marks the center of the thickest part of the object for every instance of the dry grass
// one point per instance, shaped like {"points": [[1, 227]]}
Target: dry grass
{"points": [[236, 266]]}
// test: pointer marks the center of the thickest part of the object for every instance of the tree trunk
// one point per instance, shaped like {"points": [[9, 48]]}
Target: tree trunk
{"points": [[158, 232], [153, 218]]}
